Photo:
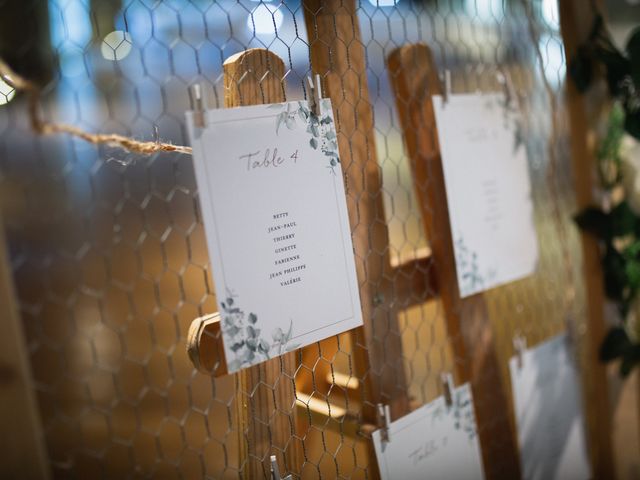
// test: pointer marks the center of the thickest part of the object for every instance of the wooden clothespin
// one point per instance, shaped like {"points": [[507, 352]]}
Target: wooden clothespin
{"points": [[197, 104], [315, 94], [447, 388], [519, 345], [275, 471], [384, 418], [507, 86]]}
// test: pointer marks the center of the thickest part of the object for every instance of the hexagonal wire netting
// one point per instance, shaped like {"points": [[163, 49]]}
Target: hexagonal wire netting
{"points": [[108, 249]]}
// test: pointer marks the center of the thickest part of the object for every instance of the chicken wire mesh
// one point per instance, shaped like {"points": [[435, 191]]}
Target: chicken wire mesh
{"points": [[109, 256]]}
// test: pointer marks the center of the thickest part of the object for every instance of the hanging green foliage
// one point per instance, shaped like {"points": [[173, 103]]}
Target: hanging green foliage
{"points": [[617, 226], [621, 70]]}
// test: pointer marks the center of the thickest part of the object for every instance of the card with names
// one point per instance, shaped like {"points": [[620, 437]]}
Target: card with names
{"points": [[275, 216], [488, 190], [436, 442], [548, 413]]}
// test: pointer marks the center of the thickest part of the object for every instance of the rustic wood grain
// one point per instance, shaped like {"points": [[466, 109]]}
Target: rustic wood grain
{"points": [[266, 392]]}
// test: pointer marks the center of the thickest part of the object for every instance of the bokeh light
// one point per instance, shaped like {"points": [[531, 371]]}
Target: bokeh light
{"points": [[263, 21], [7, 92], [116, 45]]}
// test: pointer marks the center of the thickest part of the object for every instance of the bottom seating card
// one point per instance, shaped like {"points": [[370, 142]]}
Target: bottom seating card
{"points": [[436, 441], [548, 413]]}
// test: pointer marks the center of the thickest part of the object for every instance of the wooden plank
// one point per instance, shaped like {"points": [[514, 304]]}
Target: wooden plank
{"points": [[414, 79], [338, 55], [575, 23], [266, 392], [23, 452]]}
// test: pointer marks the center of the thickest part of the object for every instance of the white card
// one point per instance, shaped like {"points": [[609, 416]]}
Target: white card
{"points": [[548, 413], [488, 191], [275, 216], [433, 442]]}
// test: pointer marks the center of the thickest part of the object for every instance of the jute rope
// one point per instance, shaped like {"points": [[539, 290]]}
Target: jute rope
{"points": [[44, 127]]}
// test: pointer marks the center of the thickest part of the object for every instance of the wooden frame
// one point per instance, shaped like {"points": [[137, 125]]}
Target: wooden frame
{"points": [[414, 79]]}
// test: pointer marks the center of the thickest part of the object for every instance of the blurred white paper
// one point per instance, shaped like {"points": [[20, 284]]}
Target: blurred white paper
{"points": [[433, 442], [488, 191], [549, 414], [275, 217]]}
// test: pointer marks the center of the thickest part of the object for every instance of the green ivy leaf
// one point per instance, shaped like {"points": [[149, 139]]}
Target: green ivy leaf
{"points": [[632, 270], [617, 67], [623, 220], [630, 358], [596, 27], [614, 344], [632, 124], [581, 69], [253, 318], [594, 221], [633, 52], [615, 275]]}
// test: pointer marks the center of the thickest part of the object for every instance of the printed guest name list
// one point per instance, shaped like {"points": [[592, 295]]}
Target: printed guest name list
{"points": [[288, 266]]}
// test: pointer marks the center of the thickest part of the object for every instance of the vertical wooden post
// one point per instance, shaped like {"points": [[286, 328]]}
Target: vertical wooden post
{"points": [[266, 391], [414, 79], [338, 55], [23, 453], [575, 24]]}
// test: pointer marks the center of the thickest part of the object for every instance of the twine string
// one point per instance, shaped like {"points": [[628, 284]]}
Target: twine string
{"points": [[44, 127]]}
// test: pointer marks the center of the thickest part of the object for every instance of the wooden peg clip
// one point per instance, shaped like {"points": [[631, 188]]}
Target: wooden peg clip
{"points": [[315, 94], [447, 388], [384, 418], [197, 104], [519, 345], [275, 471]]}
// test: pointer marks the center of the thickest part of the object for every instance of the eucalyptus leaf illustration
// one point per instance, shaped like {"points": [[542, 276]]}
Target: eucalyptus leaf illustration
{"points": [[467, 267], [247, 342], [321, 129], [463, 414]]}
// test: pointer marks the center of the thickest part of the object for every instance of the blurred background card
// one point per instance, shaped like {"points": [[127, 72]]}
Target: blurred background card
{"points": [[488, 190], [548, 414], [435, 441]]}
